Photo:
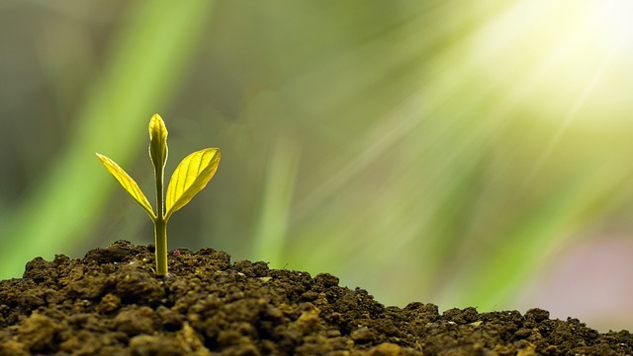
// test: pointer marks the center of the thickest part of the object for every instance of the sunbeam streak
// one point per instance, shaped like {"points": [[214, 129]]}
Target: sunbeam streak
{"points": [[573, 112]]}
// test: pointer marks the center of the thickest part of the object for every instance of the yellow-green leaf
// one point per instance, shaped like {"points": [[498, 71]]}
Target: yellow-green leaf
{"points": [[190, 177], [127, 183], [157, 142]]}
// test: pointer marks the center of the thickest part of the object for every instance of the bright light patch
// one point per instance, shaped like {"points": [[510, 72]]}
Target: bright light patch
{"points": [[569, 62], [611, 20]]}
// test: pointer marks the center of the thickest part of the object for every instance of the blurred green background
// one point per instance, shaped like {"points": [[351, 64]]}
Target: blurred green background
{"points": [[447, 151]]}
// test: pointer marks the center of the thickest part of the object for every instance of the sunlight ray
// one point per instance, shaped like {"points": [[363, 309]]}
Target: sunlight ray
{"points": [[573, 112]]}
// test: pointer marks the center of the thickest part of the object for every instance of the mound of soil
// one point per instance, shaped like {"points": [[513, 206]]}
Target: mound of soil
{"points": [[111, 303]]}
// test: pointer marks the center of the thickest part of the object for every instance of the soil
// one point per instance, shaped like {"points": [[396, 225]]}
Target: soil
{"points": [[111, 303]]}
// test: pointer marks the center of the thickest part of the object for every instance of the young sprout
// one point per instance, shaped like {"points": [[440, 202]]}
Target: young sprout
{"points": [[189, 178]]}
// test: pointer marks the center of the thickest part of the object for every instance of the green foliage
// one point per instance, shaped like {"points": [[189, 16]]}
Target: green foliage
{"points": [[190, 177]]}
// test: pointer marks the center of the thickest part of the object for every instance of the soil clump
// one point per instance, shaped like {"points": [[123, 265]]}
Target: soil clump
{"points": [[111, 303]]}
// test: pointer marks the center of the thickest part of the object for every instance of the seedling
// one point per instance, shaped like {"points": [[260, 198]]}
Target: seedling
{"points": [[190, 177]]}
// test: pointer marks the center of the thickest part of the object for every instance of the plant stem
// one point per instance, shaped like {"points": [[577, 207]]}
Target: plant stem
{"points": [[160, 241], [160, 225]]}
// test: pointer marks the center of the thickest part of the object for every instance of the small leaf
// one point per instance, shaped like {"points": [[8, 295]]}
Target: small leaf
{"points": [[190, 177], [127, 183], [157, 142]]}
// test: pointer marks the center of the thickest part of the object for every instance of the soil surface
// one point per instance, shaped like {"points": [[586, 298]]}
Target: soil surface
{"points": [[111, 303]]}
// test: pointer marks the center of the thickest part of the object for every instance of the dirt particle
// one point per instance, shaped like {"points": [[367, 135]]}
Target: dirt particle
{"points": [[13, 348], [37, 333], [109, 303], [150, 345], [537, 315], [362, 335], [190, 341], [385, 349], [119, 251], [528, 351], [134, 320], [308, 321], [326, 280], [170, 320]]}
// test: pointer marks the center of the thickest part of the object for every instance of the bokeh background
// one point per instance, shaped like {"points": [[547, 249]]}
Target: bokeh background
{"points": [[464, 153]]}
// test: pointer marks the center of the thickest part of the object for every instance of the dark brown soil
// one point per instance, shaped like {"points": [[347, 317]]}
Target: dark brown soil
{"points": [[111, 303]]}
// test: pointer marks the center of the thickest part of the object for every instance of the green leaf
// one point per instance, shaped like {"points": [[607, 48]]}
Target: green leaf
{"points": [[190, 177], [127, 183], [157, 142]]}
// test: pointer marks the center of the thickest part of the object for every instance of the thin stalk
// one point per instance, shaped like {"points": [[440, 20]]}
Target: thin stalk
{"points": [[160, 226], [160, 240]]}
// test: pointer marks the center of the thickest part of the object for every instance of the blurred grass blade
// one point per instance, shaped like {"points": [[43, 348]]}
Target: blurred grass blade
{"points": [[190, 177], [271, 234], [127, 183]]}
